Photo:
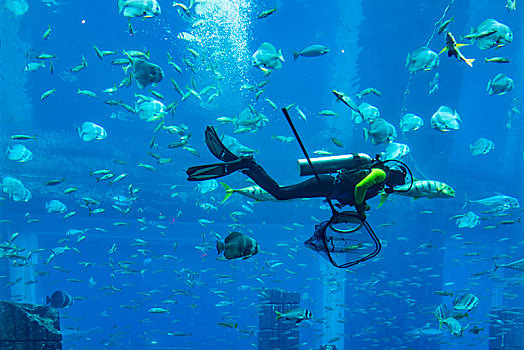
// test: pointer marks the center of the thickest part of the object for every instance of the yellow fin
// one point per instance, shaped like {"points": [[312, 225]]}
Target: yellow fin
{"points": [[461, 45], [443, 50], [383, 198], [229, 192], [469, 61]]}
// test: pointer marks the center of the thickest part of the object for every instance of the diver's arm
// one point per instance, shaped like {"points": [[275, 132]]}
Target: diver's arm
{"points": [[376, 176]]}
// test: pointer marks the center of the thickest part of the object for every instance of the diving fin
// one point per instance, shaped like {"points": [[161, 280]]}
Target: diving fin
{"points": [[217, 147], [214, 171]]}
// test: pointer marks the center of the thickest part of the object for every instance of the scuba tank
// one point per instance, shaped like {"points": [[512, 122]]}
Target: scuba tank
{"points": [[328, 165]]}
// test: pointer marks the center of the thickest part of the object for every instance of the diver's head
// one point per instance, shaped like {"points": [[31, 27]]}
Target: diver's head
{"points": [[395, 176]]}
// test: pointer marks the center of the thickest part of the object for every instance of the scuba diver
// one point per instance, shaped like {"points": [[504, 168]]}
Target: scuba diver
{"points": [[358, 176]]}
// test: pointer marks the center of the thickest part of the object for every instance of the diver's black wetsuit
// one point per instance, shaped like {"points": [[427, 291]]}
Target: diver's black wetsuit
{"points": [[342, 187], [349, 187], [310, 188]]}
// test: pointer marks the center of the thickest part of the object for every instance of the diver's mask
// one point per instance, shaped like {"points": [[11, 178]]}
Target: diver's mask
{"points": [[396, 176]]}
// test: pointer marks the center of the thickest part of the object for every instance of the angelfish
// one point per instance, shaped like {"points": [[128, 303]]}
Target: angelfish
{"points": [[145, 73], [139, 8], [238, 245], [59, 299], [453, 49]]}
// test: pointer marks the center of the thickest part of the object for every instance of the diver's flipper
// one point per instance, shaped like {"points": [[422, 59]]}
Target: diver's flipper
{"points": [[214, 171], [217, 147]]}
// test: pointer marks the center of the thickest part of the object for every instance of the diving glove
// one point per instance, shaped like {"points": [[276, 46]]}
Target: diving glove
{"points": [[361, 210]]}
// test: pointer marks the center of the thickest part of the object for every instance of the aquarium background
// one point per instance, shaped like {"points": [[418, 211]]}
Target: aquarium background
{"points": [[378, 304]]}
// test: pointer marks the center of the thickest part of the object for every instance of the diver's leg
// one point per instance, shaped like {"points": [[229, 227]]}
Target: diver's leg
{"points": [[216, 147], [307, 189]]}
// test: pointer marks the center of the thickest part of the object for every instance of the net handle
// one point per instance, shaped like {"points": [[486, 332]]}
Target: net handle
{"points": [[371, 233], [299, 140], [378, 247]]}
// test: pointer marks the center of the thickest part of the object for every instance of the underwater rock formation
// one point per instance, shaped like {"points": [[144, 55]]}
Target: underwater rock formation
{"points": [[28, 326]]}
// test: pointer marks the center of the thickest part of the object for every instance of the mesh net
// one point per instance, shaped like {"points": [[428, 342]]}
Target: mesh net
{"points": [[344, 240]]}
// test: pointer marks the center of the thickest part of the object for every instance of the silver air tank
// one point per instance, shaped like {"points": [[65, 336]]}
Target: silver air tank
{"points": [[328, 165]]}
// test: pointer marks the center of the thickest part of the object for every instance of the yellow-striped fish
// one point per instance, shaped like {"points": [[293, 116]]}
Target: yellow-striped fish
{"points": [[423, 189], [253, 192]]}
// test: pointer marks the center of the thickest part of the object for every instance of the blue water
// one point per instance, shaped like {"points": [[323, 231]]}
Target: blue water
{"points": [[377, 304]]}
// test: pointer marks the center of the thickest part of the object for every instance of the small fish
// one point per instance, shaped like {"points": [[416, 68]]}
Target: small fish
{"points": [[179, 334], [81, 66], [369, 91], [113, 249], [87, 93], [443, 26], [453, 49], [97, 211], [175, 66], [227, 324], [496, 60], [146, 166], [322, 152], [193, 52], [443, 293], [509, 222], [328, 113], [311, 51], [47, 94], [61, 269], [184, 9], [118, 178], [45, 56], [22, 137], [54, 182], [47, 33], [99, 172], [427, 212], [511, 5], [205, 222], [70, 190], [286, 139], [266, 13], [130, 28], [157, 94], [337, 142], [474, 35], [113, 102], [301, 114], [158, 310], [297, 315]]}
